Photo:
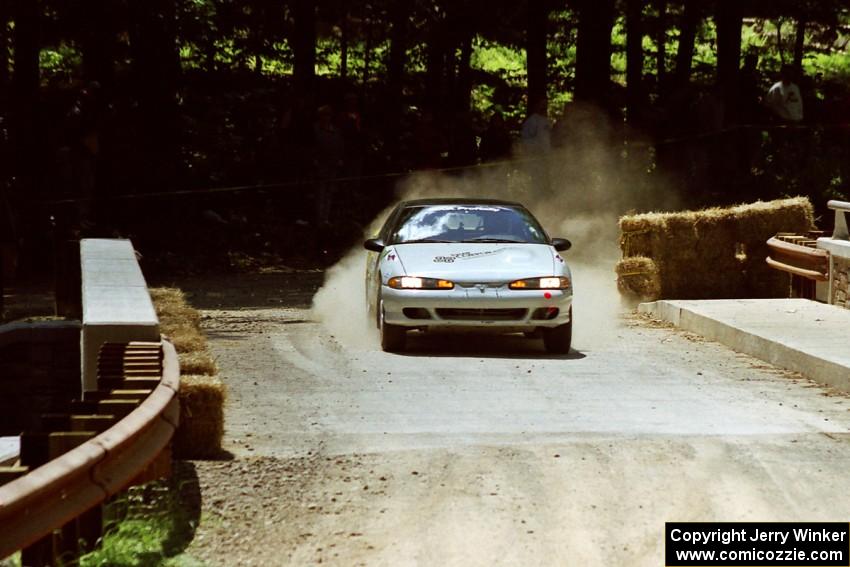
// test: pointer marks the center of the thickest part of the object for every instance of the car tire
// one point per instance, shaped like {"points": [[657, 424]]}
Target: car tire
{"points": [[558, 340], [393, 337]]}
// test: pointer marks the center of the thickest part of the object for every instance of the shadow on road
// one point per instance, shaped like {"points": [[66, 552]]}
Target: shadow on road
{"points": [[456, 344], [250, 291]]}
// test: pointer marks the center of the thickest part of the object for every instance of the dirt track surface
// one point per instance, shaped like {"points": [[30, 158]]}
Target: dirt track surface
{"points": [[487, 451]]}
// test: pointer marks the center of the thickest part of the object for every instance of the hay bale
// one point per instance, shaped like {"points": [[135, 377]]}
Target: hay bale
{"points": [[201, 417], [638, 276], [197, 363], [185, 338], [697, 254], [202, 394], [172, 308]]}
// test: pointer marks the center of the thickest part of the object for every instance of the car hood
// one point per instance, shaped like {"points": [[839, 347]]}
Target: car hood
{"points": [[477, 262]]}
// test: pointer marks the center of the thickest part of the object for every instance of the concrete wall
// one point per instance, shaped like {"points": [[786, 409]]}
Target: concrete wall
{"points": [[841, 282], [116, 304], [39, 371], [839, 271]]}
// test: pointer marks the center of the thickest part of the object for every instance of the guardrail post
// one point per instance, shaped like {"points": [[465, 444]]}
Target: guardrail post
{"points": [[36, 450], [34, 453], [90, 528]]}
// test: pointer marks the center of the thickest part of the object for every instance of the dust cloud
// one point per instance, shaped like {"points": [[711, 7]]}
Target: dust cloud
{"points": [[590, 185]]}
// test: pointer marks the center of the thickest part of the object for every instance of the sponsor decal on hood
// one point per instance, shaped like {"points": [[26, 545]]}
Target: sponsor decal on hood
{"points": [[466, 255]]}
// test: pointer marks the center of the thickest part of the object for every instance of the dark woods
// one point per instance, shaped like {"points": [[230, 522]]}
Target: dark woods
{"points": [[115, 111]]}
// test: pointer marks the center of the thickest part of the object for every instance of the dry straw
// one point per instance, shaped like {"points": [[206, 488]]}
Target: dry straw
{"points": [[712, 253], [638, 277], [201, 417], [202, 394]]}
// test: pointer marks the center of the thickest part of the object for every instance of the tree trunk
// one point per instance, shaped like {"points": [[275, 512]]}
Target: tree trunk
{"points": [[398, 51], [634, 57], [304, 46], [538, 16], [343, 48], [661, 42], [156, 69], [593, 50], [395, 72], [25, 83], [257, 34], [729, 20], [367, 51], [799, 44], [4, 53], [464, 73], [436, 69], [687, 38], [98, 41]]}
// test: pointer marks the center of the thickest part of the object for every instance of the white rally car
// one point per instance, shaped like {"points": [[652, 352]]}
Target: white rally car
{"points": [[468, 263]]}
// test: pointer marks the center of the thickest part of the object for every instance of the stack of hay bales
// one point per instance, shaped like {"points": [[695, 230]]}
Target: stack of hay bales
{"points": [[202, 394], [709, 254]]}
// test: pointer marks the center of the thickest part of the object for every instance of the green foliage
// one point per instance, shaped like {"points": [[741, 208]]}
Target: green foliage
{"points": [[504, 61], [62, 62], [148, 526]]}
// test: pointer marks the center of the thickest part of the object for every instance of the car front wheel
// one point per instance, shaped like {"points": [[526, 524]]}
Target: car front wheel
{"points": [[558, 340], [393, 337]]}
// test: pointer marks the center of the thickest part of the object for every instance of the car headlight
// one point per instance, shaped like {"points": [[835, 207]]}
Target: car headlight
{"points": [[553, 282], [412, 282]]}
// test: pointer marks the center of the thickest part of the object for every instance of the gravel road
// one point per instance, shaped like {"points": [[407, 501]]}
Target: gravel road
{"points": [[486, 451]]}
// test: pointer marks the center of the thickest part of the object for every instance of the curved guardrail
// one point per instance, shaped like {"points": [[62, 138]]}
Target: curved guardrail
{"points": [[799, 260], [34, 505]]}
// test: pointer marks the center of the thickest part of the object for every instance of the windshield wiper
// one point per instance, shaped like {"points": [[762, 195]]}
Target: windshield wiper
{"points": [[486, 239], [427, 241]]}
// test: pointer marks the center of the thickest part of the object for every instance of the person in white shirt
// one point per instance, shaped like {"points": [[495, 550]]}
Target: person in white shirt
{"points": [[537, 130], [784, 98], [536, 144]]}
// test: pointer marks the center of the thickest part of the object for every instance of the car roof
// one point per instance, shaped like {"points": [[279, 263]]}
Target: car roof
{"points": [[457, 201]]}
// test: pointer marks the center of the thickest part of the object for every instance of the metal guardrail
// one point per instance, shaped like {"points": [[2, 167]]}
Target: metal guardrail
{"points": [[841, 209], [50, 497], [798, 259]]}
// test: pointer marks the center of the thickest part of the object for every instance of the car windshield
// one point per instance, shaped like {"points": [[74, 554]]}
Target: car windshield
{"points": [[467, 223]]}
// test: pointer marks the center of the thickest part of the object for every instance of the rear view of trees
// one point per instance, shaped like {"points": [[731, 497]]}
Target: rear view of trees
{"points": [[185, 76]]}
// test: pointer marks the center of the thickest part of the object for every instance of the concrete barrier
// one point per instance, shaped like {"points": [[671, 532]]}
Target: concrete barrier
{"points": [[838, 290], [797, 334], [116, 304]]}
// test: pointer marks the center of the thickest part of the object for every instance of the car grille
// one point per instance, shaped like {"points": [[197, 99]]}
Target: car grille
{"points": [[481, 314]]}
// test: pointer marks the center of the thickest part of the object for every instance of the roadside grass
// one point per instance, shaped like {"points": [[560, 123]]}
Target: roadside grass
{"points": [[151, 525]]}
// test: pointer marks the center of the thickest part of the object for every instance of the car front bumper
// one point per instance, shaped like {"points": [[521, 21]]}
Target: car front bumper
{"points": [[474, 307]]}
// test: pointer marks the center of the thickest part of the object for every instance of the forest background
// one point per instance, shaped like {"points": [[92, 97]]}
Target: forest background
{"points": [[121, 117]]}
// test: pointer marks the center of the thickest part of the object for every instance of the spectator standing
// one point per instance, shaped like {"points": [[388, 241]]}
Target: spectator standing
{"points": [[784, 98], [328, 156], [785, 101], [351, 127], [429, 142], [536, 138], [496, 146], [350, 123], [496, 140], [537, 130]]}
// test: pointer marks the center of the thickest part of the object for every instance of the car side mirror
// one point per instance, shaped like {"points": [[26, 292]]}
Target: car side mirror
{"points": [[374, 244], [561, 244]]}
